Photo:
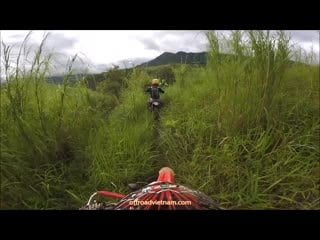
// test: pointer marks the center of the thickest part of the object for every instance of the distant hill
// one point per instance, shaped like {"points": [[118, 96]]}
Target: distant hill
{"points": [[165, 59], [59, 79], [179, 57], [199, 58]]}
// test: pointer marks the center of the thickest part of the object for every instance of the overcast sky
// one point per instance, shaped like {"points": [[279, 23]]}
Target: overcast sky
{"points": [[99, 49]]}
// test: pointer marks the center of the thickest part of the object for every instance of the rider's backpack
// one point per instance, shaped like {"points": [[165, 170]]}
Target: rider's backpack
{"points": [[155, 93]]}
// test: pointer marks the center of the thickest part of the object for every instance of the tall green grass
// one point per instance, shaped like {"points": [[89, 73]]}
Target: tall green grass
{"points": [[122, 148], [44, 133], [245, 129]]}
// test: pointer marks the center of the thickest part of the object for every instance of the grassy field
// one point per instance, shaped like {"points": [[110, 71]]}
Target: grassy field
{"points": [[243, 129]]}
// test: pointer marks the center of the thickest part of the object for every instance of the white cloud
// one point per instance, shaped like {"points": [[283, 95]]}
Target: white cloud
{"points": [[99, 48]]}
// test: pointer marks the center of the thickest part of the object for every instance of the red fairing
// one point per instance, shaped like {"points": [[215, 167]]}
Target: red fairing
{"points": [[166, 175], [111, 194]]}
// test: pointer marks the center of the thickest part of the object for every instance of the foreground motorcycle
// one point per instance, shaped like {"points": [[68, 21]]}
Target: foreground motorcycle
{"points": [[162, 194]]}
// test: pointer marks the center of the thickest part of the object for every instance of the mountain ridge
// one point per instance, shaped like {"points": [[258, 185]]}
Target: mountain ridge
{"points": [[165, 58], [178, 57]]}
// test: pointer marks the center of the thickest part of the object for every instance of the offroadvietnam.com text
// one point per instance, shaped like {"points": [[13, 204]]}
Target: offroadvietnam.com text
{"points": [[159, 202]]}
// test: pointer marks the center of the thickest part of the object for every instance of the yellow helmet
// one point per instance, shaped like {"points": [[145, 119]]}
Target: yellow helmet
{"points": [[155, 82]]}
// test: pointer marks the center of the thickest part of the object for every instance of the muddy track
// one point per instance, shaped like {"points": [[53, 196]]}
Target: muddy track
{"points": [[159, 160]]}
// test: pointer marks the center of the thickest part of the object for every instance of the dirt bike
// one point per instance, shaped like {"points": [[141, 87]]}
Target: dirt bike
{"points": [[155, 105], [162, 194]]}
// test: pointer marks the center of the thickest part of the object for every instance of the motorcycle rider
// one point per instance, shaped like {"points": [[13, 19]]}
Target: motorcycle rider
{"points": [[154, 91]]}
